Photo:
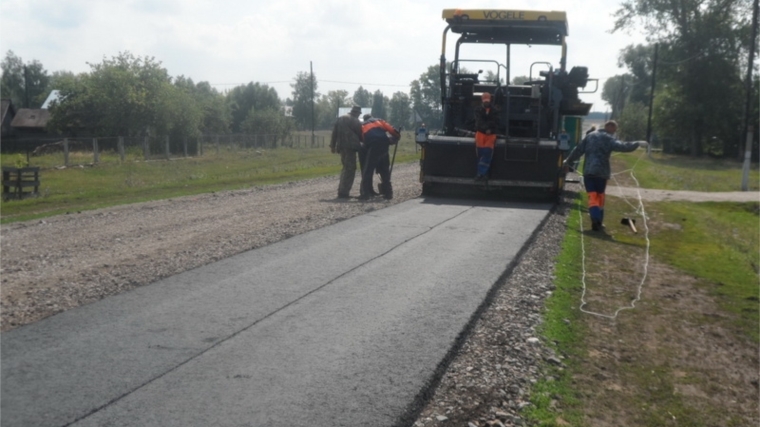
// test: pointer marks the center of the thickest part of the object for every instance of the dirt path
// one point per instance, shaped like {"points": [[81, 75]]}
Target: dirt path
{"points": [[653, 195]]}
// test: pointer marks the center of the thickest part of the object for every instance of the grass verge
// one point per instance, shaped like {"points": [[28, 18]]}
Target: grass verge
{"points": [[563, 329], [111, 183], [687, 354], [683, 173]]}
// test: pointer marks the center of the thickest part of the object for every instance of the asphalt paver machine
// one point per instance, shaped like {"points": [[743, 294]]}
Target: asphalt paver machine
{"points": [[534, 114]]}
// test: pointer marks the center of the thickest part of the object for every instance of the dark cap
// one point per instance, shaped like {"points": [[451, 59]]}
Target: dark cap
{"points": [[367, 117], [356, 110]]}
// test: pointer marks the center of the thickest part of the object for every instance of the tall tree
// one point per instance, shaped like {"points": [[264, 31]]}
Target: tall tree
{"points": [[268, 122], [304, 94], [123, 95], [426, 97], [337, 99], [362, 97], [253, 96], [639, 60], [519, 80], [27, 85], [615, 92], [400, 110], [217, 117], [378, 105], [702, 45]]}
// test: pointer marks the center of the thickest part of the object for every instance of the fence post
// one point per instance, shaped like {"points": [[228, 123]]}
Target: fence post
{"points": [[96, 156], [184, 146], [216, 142], [120, 146], [200, 146], [166, 147], [146, 150], [66, 151]]}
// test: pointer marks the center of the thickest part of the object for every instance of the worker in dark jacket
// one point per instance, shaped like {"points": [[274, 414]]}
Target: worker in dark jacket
{"points": [[376, 142], [486, 128], [346, 140], [597, 147]]}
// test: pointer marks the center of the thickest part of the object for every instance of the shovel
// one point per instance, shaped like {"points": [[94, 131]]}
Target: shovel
{"points": [[629, 222]]}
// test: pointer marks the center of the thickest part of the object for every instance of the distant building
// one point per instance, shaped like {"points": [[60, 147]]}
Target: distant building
{"points": [[55, 95], [30, 122], [7, 113]]}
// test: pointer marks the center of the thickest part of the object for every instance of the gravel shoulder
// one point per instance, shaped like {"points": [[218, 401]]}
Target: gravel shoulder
{"points": [[62, 262]]}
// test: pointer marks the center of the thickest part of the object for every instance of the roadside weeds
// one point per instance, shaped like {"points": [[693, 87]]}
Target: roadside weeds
{"points": [[677, 358]]}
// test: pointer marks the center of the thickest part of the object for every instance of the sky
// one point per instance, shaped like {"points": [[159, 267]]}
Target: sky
{"points": [[379, 45]]}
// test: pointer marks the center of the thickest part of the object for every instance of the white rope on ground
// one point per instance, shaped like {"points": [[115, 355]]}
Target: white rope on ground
{"points": [[639, 211]]}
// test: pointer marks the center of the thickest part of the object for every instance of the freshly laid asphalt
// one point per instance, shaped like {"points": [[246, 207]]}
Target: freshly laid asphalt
{"points": [[341, 326]]}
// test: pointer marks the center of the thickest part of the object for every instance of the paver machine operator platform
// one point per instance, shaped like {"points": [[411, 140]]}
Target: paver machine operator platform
{"points": [[534, 115]]}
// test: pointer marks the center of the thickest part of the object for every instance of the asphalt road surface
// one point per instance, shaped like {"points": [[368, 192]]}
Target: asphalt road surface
{"points": [[341, 326]]}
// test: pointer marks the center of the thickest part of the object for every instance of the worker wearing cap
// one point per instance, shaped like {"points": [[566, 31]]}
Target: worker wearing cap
{"points": [[597, 147], [376, 143], [486, 127], [346, 140]]}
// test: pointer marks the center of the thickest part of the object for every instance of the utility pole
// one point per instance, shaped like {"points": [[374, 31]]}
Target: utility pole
{"points": [[26, 86], [748, 129], [651, 100], [311, 79]]}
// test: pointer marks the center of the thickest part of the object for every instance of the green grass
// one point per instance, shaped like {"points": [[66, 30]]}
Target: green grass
{"points": [[563, 328], [717, 242], [111, 182], [670, 172]]}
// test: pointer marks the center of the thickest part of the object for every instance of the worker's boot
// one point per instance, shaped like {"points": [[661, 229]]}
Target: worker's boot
{"points": [[386, 189]]}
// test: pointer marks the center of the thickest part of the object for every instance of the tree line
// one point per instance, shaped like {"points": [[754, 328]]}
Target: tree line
{"points": [[700, 80], [135, 96]]}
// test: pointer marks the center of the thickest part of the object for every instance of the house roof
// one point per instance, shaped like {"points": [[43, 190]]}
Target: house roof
{"points": [[30, 118], [5, 107], [55, 95]]}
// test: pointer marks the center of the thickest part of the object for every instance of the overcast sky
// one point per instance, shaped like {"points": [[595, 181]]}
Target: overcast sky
{"points": [[376, 44]]}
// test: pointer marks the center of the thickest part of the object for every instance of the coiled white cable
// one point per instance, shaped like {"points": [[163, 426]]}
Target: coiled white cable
{"points": [[639, 211]]}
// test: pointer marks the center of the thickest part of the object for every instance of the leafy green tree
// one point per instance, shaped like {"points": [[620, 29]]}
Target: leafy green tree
{"points": [[324, 112], [304, 95], [362, 97], [378, 105], [217, 116], [702, 46], [215, 111], [13, 79], [124, 95], [639, 60], [27, 85], [337, 99], [633, 122], [426, 97], [253, 96], [268, 121], [56, 77], [180, 115], [519, 80], [616, 91], [400, 110]]}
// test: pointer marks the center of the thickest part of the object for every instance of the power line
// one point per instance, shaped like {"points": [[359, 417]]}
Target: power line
{"points": [[363, 84], [324, 81]]}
